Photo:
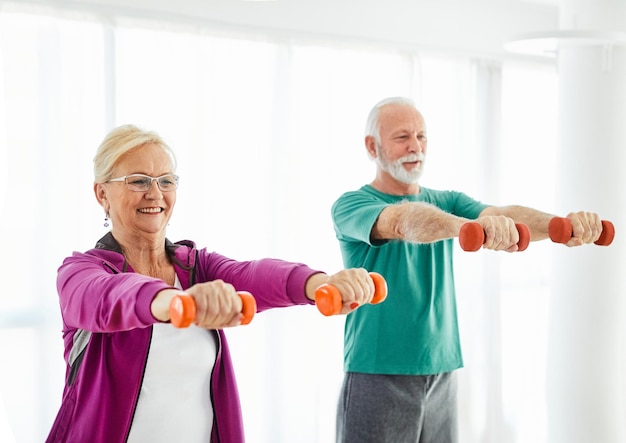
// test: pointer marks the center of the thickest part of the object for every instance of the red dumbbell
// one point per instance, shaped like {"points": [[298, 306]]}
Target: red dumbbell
{"points": [[183, 309], [472, 236], [560, 231], [328, 298]]}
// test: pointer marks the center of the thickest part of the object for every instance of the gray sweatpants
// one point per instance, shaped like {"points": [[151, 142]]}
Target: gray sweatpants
{"points": [[378, 408]]}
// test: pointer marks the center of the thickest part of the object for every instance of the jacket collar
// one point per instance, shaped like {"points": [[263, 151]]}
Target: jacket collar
{"points": [[183, 254]]}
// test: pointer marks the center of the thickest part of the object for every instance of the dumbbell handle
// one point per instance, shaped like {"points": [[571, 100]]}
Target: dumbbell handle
{"points": [[328, 298], [560, 231], [183, 309], [472, 236]]}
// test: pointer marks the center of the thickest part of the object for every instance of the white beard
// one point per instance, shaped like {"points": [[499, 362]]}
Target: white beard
{"points": [[396, 168]]}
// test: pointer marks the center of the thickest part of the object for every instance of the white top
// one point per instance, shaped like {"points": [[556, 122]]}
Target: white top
{"points": [[175, 399]]}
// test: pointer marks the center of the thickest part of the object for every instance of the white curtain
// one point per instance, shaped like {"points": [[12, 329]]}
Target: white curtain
{"points": [[268, 133]]}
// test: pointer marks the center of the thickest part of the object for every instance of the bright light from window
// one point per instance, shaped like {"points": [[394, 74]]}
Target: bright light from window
{"points": [[268, 135]]}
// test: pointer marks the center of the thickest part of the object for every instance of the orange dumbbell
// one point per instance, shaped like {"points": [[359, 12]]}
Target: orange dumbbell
{"points": [[329, 302], [560, 231], [472, 236], [183, 309]]}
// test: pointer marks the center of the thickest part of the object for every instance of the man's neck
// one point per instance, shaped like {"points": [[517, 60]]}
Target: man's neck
{"points": [[390, 185]]}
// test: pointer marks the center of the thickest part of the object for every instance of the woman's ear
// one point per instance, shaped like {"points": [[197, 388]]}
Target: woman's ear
{"points": [[101, 195]]}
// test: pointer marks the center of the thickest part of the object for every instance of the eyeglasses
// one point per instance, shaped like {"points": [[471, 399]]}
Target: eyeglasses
{"points": [[143, 183]]}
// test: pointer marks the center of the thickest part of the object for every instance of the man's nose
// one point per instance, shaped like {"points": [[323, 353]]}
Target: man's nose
{"points": [[416, 145]]}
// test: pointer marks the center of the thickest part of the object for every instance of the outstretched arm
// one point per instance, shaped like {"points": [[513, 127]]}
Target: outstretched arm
{"points": [[419, 222], [416, 222], [536, 221], [586, 226]]}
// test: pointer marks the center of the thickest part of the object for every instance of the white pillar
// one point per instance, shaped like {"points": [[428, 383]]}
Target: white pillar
{"points": [[586, 370]]}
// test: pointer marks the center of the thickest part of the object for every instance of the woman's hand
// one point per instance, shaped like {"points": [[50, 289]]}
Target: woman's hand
{"points": [[217, 303], [355, 286]]}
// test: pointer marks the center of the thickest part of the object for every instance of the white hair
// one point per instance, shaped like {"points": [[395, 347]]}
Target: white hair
{"points": [[372, 127]]}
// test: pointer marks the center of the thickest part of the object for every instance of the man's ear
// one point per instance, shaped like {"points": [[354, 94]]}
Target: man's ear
{"points": [[370, 145]]}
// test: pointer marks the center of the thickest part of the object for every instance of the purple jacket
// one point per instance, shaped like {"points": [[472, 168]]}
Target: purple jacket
{"points": [[107, 331]]}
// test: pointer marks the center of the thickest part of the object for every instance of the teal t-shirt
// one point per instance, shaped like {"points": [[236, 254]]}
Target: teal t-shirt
{"points": [[415, 330]]}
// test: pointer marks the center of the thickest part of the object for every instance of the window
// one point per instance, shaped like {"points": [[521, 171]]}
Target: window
{"points": [[267, 133]]}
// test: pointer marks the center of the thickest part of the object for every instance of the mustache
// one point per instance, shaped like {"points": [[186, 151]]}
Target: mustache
{"points": [[419, 157]]}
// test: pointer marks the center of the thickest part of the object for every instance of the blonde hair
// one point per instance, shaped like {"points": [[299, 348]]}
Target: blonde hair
{"points": [[118, 142]]}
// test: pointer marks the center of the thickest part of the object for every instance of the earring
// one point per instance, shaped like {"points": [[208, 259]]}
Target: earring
{"points": [[106, 220]]}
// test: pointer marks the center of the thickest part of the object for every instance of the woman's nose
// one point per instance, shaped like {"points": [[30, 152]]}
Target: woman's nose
{"points": [[154, 188]]}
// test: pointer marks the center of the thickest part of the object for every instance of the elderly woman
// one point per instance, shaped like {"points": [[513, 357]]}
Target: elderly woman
{"points": [[131, 375]]}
